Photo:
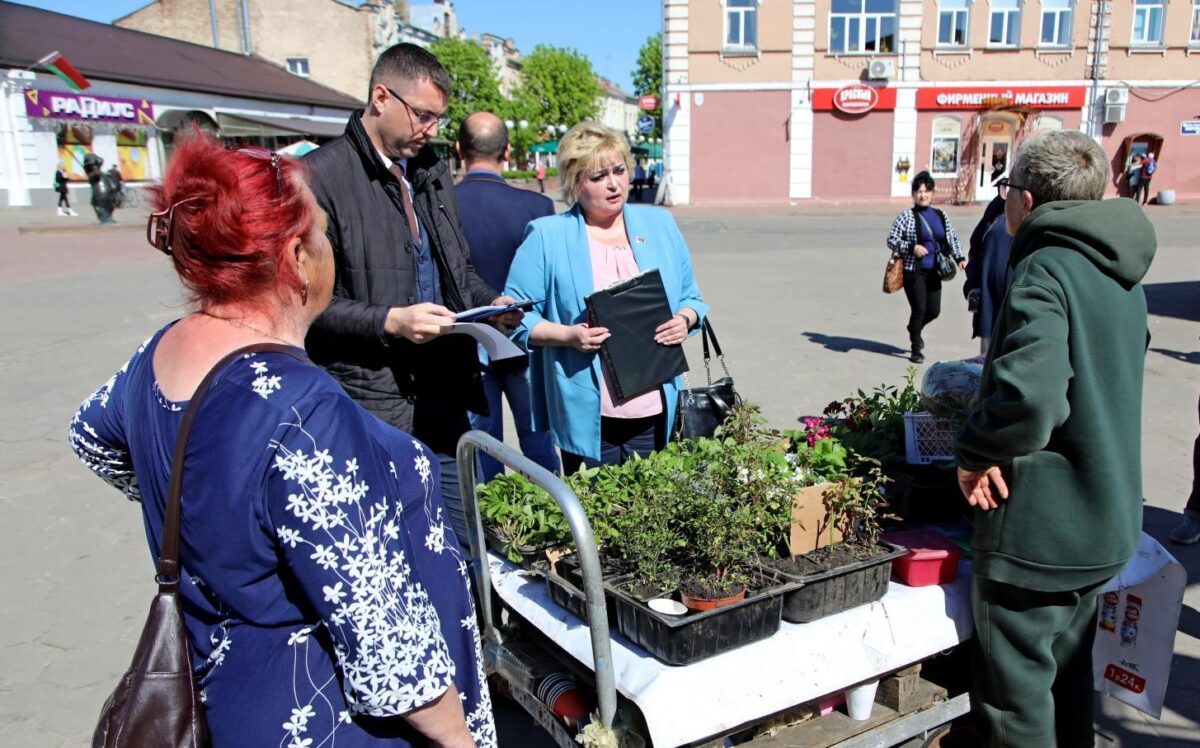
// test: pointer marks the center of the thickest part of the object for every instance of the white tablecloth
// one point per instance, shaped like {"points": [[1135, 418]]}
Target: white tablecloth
{"points": [[800, 663]]}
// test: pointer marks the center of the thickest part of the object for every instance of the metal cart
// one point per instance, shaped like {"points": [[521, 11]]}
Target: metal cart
{"points": [[518, 653]]}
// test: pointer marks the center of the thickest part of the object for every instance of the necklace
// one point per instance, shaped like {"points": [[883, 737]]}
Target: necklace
{"points": [[245, 326]]}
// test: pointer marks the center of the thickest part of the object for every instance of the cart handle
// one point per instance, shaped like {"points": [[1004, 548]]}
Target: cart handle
{"points": [[585, 547]]}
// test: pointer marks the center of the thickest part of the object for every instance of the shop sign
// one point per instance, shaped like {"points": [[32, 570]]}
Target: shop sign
{"points": [[80, 107], [857, 99], [1189, 127], [1059, 97], [854, 99], [649, 102]]}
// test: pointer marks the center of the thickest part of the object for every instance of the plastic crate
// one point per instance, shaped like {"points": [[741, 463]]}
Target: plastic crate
{"points": [[929, 438]]}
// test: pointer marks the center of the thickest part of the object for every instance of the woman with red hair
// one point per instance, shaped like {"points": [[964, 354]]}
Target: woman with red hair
{"points": [[323, 593]]}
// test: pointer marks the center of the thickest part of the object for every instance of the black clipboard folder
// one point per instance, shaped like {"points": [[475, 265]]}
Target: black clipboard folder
{"points": [[631, 310]]}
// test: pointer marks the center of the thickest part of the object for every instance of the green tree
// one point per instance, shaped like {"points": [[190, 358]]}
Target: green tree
{"points": [[648, 76], [558, 87], [474, 85]]}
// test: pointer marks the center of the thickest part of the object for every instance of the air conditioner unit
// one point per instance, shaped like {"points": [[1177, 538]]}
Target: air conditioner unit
{"points": [[881, 69], [1114, 113], [1116, 96]]}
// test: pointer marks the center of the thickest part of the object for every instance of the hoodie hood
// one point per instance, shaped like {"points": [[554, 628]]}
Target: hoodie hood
{"points": [[1114, 235]]}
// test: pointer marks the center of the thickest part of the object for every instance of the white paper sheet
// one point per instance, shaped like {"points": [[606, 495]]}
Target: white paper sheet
{"points": [[498, 346]]}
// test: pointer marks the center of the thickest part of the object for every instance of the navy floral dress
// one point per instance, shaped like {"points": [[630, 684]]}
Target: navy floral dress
{"points": [[324, 592]]}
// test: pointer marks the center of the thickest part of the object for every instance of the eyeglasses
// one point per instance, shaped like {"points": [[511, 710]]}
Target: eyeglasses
{"points": [[264, 154], [160, 229], [1005, 184], [424, 119]]}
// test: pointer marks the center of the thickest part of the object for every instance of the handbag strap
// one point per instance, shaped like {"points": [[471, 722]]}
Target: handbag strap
{"points": [[168, 556], [706, 332], [929, 230]]}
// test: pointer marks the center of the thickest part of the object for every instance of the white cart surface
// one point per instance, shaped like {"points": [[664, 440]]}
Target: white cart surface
{"points": [[800, 663]]}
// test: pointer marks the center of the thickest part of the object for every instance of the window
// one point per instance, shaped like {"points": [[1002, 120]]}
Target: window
{"points": [[946, 147], [133, 157], [741, 25], [1195, 37], [1148, 22], [74, 142], [862, 27], [1056, 23], [952, 23], [298, 66], [1005, 27]]}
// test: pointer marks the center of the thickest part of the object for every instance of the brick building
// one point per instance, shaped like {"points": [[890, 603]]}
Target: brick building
{"points": [[848, 99]]}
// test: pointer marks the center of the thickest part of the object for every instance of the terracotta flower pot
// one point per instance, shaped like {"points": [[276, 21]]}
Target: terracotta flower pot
{"points": [[699, 604]]}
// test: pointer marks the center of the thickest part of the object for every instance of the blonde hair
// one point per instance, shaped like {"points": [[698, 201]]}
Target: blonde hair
{"points": [[583, 149]]}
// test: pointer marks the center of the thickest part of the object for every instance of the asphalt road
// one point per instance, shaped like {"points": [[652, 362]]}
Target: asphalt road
{"points": [[796, 304]]}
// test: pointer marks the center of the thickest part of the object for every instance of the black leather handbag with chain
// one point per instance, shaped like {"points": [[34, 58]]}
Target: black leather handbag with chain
{"points": [[157, 704], [702, 409]]}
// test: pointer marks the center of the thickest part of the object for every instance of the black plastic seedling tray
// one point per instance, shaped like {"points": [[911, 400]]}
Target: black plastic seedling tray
{"points": [[682, 640], [833, 591], [565, 594]]}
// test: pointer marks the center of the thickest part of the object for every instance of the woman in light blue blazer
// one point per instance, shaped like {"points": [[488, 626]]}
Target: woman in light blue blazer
{"points": [[566, 257]]}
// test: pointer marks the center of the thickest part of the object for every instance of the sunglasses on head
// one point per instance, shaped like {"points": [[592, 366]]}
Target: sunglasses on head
{"points": [[264, 154]]}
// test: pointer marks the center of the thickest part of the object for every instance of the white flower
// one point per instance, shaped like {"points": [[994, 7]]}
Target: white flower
{"points": [[324, 556], [299, 720], [299, 636], [299, 742], [334, 594], [259, 367], [289, 537]]}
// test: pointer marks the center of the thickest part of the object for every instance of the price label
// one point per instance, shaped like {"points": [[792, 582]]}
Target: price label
{"points": [[1124, 678]]}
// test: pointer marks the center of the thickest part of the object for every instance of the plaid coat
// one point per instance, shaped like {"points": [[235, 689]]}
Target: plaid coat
{"points": [[903, 237]]}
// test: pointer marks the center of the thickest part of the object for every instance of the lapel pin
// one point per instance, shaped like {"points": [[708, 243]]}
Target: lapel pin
{"points": [[640, 239]]}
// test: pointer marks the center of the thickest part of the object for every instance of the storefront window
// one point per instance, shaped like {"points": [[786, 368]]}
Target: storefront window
{"points": [[952, 23], [1148, 22], [74, 142], [132, 155], [1195, 37], [741, 25], [1056, 23], [946, 147], [862, 27], [1005, 27]]}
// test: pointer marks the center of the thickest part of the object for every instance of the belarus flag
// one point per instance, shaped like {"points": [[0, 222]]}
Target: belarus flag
{"points": [[65, 70]]}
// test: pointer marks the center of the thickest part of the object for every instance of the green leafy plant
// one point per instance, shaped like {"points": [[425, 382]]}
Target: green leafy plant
{"points": [[520, 513], [854, 505], [871, 424]]}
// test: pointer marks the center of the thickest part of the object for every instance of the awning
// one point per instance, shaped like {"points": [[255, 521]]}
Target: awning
{"points": [[650, 150], [549, 146], [245, 125]]}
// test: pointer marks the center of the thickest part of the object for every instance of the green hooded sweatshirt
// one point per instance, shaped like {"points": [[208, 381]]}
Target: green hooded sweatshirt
{"points": [[1060, 406]]}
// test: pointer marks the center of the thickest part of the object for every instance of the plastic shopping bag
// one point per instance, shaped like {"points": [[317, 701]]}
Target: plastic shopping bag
{"points": [[1135, 628]]}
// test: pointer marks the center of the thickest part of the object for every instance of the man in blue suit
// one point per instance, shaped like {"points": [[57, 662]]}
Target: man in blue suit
{"points": [[493, 217]]}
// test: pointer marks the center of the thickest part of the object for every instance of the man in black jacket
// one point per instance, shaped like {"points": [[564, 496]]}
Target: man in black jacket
{"points": [[403, 267]]}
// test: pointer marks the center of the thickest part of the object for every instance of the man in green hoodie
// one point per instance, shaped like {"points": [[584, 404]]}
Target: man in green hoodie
{"points": [[1051, 459]]}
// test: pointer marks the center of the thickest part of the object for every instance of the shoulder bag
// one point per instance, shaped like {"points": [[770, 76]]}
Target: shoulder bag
{"points": [[893, 275], [701, 410], [944, 263], [157, 704]]}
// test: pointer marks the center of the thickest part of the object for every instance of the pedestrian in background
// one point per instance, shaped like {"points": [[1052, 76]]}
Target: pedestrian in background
{"points": [[1149, 166], [103, 194], [61, 186], [601, 240], [541, 177], [494, 216], [917, 236], [1051, 459], [1133, 176], [988, 272]]}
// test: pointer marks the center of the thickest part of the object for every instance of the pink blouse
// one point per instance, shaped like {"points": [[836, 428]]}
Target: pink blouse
{"points": [[609, 265]]}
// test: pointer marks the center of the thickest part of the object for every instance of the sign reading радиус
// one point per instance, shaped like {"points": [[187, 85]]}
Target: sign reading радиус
{"points": [[81, 107]]}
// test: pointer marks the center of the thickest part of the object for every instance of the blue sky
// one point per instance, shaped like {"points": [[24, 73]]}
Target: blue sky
{"points": [[610, 33]]}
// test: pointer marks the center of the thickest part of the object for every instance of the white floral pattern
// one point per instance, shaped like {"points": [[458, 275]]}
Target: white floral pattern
{"points": [[332, 508]]}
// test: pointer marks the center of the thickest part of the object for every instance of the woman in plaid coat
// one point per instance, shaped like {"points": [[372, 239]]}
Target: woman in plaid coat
{"points": [[916, 237]]}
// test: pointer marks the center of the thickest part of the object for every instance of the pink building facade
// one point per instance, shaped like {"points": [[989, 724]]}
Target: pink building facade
{"points": [[776, 101]]}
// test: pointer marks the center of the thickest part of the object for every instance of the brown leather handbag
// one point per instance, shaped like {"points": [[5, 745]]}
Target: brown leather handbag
{"points": [[893, 275], [157, 704]]}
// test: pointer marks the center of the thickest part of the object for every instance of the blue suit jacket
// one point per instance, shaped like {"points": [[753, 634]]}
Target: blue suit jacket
{"points": [[493, 217], [554, 263]]}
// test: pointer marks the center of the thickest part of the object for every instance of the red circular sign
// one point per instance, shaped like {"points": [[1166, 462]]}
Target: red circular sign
{"points": [[649, 102], [856, 99]]}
